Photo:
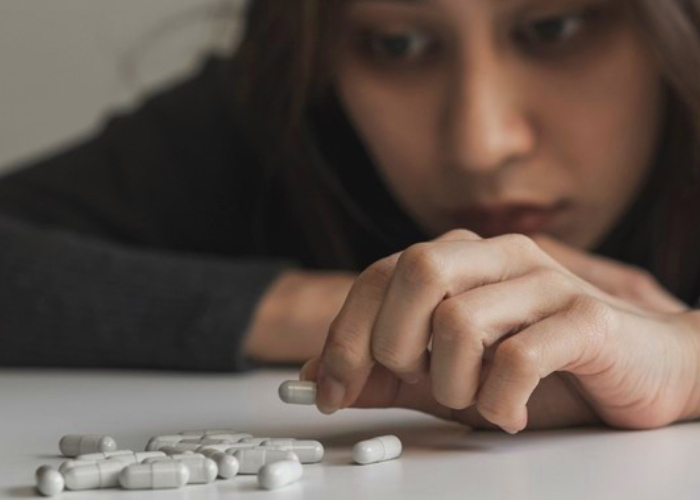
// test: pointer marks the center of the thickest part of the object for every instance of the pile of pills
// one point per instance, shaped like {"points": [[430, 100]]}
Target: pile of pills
{"points": [[198, 457]]}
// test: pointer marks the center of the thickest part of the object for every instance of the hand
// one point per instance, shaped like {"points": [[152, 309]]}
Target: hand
{"points": [[496, 332], [291, 321]]}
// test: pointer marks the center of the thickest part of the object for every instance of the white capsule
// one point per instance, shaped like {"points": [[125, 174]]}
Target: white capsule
{"points": [[252, 459], [255, 441], [227, 464], [94, 476], [159, 441], [49, 481], [103, 455], [155, 476], [180, 448], [231, 437], [202, 469], [308, 451], [298, 392], [377, 449], [233, 448], [278, 474], [223, 431], [73, 445], [225, 447]]}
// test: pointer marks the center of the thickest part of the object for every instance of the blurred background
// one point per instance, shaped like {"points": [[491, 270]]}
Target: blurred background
{"points": [[65, 64]]}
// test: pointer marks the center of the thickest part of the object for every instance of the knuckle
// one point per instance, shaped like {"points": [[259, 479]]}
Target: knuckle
{"points": [[518, 356], [520, 244], [553, 279], [343, 349], [421, 265], [460, 234], [389, 354], [638, 281], [378, 273], [454, 321]]}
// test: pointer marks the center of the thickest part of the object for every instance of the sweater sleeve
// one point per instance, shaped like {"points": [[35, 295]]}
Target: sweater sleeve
{"points": [[134, 248]]}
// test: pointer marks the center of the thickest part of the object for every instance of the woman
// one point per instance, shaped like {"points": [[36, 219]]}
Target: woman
{"points": [[468, 158]]}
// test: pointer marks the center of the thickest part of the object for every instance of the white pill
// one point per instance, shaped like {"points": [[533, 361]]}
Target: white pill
{"points": [[233, 437], [159, 441], [227, 464], [155, 476], [255, 441], [94, 476], [79, 444], [103, 455], [252, 459], [233, 448], [298, 392], [308, 451], [224, 431], [202, 469], [377, 449], [225, 447], [179, 448], [49, 481], [278, 474]]}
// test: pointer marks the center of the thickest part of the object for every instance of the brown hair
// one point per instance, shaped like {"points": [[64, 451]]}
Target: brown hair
{"points": [[283, 59]]}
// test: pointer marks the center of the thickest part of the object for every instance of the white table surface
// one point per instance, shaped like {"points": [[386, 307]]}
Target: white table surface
{"points": [[440, 461]]}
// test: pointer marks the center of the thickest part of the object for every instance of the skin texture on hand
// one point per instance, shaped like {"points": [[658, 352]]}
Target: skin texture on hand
{"points": [[292, 319], [501, 332]]}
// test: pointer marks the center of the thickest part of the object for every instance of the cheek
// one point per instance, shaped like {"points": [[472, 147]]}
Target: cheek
{"points": [[605, 129], [399, 126]]}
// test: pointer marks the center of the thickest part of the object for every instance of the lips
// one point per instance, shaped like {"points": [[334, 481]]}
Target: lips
{"points": [[506, 218]]}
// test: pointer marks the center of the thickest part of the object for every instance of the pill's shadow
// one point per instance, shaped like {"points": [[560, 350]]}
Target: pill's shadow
{"points": [[440, 436], [21, 492]]}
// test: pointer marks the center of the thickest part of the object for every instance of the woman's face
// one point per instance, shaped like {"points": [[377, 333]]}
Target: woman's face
{"points": [[503, 116]]}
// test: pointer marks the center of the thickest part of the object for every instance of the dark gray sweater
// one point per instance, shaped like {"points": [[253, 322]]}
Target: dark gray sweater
{"points": [[134, 248]]}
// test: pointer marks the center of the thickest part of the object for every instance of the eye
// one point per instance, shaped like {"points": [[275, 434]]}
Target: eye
{"points": [[399, 46], [553, 30]]}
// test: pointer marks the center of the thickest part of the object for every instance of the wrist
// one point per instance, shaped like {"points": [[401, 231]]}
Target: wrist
{"points": [[292, 319]]}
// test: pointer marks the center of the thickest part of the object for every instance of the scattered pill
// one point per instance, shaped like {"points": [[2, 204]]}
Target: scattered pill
{"points": [[103, 455], [279, 474], [49, 481], [202, 469], [94, 476], [231, 437], [159, 475], [156, 442], [227, 464], [226, 447], [251, 460], [298, 392], [307, 450], [377, 449], [255, 441], [179, 448], [73, 445]]}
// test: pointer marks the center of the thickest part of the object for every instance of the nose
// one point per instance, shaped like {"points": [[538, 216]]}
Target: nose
{"points": [[488, 126]]}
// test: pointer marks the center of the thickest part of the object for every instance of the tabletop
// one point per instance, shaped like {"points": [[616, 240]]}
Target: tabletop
{"points": [[441, 460]]}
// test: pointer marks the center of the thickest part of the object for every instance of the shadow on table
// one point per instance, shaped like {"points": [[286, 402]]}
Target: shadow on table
{"points": [[19, 492]]}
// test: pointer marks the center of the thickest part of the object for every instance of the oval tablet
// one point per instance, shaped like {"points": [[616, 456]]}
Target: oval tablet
{"points": [[251, 460], [73, 445], [159, 475], [278, 474], [307, 450], [49, 481], [298, 392], [94, 476], [377, 449]]}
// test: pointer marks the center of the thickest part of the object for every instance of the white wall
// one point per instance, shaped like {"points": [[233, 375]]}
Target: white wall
{"points": [[65, 63]]}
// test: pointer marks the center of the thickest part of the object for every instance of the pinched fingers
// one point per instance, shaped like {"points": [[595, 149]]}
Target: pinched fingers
{"points": [[348, 356]]}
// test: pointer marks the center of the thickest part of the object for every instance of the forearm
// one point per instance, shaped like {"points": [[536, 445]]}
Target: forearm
{"points": [[291, 321], [67, 300]]}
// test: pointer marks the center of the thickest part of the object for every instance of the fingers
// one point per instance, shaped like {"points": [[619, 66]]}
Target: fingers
{"points": [[466, 325], [427, 274], [347, 357], [570, 340], [617, 279]]}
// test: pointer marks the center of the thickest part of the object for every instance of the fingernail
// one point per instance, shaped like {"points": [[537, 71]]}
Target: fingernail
{"points": [[331, 394]]}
